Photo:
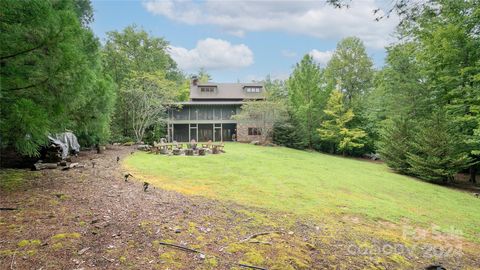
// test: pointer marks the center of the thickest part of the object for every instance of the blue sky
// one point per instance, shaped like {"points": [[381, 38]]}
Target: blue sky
{"points": [[246, 40]]}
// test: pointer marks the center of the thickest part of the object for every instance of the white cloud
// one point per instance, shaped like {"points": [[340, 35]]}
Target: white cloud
{"points": [[288, 53], [312, 18], [321, 57], [212, 54]]}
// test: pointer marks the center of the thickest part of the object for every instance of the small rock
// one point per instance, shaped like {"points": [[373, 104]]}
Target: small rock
{"points": [[202, 256], [83, 250], [290, 233], [178, 230]]}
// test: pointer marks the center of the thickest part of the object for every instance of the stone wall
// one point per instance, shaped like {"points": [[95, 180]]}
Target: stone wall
{"points": [[242, 133]]}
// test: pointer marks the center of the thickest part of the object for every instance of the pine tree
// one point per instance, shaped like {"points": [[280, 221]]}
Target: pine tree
{"points": [[285, 134], [394, 143], [306, 98], [51, 75], [335, 131], [435, 153]]}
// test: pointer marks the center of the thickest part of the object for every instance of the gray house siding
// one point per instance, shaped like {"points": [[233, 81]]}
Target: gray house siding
{"points": [[202, 122], [208, 114]]}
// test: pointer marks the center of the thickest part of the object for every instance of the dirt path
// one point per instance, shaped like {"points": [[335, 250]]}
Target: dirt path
{"points": [[89, 218]]}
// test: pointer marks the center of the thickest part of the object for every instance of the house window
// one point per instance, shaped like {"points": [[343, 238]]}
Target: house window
{"points": [[253, 89], [207, 89], [254, 131]]}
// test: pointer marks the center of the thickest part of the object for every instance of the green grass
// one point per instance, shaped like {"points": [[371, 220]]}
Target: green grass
{"points": [[12, 180], [311, 184]]}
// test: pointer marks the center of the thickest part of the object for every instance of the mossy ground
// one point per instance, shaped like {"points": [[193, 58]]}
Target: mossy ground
{"points": [[92, 219]]}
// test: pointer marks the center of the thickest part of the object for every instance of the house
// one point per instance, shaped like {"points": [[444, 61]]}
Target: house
{"points": [[208, 113]]}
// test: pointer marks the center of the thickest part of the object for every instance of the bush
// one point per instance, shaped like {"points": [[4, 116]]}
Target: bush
{"points": [[286, 134]]}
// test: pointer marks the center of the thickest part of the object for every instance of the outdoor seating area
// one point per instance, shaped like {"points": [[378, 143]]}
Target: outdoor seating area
{"points": [[187, 149]]}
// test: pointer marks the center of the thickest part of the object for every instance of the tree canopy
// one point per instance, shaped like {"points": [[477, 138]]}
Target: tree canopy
{"points": [[52, 78]]}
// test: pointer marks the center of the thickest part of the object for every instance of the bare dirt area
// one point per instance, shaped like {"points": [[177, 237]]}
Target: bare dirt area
{"points": [[90, 218]]}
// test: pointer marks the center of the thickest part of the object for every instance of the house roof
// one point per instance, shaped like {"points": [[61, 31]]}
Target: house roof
{"points": [[226, 91], [209, 103]]}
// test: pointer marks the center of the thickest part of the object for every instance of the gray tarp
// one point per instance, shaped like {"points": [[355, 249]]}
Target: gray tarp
{"points": [[67, 141]]}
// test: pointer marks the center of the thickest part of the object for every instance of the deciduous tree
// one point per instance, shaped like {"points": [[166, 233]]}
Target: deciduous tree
{"points": [[147, 96], [334, 129], [128, 53]]}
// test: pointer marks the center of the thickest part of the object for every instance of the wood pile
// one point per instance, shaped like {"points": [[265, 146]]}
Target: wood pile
{"points": [[53, 153]]}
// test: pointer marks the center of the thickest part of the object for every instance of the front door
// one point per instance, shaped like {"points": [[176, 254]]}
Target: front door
{"points": [[205, 132], [218, 132]]}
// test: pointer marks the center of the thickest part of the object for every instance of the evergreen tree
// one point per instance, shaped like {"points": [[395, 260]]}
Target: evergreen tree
{"points": [[52, 79], [286, 134], [435, 153], [306, 98], [334, 129], [394, 143], [203, 76]]}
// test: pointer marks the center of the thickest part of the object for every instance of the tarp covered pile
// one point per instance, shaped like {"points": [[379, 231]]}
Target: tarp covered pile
{"points": [[67, 141]]}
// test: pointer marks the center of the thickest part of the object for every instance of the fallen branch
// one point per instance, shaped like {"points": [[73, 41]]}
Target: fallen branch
{"points": [[8, 208], [43, 166], [13, 260], [251, 266], [72, 165], [110, 260], [260, 242], [179, 247], [258, 234], [83, 250]]}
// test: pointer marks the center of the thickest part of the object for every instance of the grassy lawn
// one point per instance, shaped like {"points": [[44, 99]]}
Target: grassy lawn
{"points": [[311, 184]]}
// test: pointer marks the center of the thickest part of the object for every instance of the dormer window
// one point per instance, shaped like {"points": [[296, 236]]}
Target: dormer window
{"points": [[253, 89], [207, 89]]}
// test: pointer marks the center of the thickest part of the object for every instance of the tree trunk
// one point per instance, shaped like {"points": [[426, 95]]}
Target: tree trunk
{"points": [[41, 166], [473, 174]]}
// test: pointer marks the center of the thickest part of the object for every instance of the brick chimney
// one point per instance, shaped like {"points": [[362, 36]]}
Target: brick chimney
{"points": [[194, 80]]}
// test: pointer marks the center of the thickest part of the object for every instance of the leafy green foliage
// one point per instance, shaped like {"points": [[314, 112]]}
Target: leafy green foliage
{"points": [[435, 153], [350, 69], [204, 76], [51, 73], [131, 53], [147, 96], [306, 98], [334, 128], [286, 134], [394, 143], [429, 79]]}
